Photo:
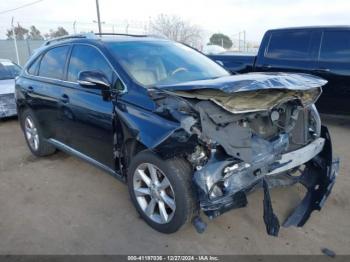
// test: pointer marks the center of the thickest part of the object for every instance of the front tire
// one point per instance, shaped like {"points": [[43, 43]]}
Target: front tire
{"points": [[33, 135], [161, 191]]}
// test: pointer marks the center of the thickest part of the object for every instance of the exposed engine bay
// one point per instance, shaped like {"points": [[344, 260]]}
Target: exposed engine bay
{"points": [[243, 140]]}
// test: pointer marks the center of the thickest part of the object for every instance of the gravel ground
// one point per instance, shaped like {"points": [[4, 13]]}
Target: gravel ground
{"points": [[62, 205]]}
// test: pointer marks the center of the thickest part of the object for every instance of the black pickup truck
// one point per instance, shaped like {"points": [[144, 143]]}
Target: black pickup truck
{"points": [[321, 51]]}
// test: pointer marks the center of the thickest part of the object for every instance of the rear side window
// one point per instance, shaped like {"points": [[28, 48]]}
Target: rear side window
{"points": [[290, 45], [335, 46], [53, 62], [87, 58]]}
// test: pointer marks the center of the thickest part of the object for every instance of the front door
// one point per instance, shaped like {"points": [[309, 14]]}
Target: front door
{"points": [[88, 118]]}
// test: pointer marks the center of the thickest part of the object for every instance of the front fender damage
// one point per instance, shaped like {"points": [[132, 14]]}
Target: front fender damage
{"points": [[235, 149]]}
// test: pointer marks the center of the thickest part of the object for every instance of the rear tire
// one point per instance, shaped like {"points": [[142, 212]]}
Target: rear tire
{"points": [[33, 135], [173, 205]]}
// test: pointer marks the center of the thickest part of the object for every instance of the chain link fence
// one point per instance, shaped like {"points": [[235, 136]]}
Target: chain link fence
{"points": [[27, 46], [25, 49]]}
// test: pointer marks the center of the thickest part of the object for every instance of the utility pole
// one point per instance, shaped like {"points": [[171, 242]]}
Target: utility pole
{"points": [[74, 27], [98, 17], [239, 41], [244, 42], [15, 40], [28, 46]]}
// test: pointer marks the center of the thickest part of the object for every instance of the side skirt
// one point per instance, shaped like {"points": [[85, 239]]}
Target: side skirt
{"points": [[63, 147]]}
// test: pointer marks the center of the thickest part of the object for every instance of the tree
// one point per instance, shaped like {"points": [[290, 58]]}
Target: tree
{"points": [[56, 33], [20, 32], [177, 29], [221, 40], [34, 34]]}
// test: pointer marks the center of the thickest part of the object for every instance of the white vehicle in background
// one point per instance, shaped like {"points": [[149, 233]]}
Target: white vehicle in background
{"points": [[213, 50], [8, 73]]}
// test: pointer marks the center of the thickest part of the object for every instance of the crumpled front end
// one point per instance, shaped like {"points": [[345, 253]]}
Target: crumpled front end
{"points": [[223, 184], [260, 138]]}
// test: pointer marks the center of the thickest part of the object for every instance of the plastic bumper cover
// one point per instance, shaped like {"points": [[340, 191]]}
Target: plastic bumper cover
{"points": [[318, 177]]}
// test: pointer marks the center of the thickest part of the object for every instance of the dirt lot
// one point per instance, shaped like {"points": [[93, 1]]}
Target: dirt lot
{"points": [[62, 205]]}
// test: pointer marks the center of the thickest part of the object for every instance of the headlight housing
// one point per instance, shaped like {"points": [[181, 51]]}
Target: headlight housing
{"points": [[314, 122]]}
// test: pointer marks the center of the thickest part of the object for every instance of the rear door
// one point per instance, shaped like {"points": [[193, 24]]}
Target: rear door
{"points": [[334, 66], [88, 119], [44, 88], [289, 51]]}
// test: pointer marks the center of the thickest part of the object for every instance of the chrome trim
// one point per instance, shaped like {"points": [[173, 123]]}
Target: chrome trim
{"points": [[87, 83], [84, 157]]}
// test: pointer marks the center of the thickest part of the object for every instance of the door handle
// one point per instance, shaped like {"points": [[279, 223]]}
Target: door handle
{"points": [[30, 89], [266, 66], [64, 99]]}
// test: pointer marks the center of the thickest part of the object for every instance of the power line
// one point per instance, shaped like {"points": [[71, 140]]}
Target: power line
{"points": [[22, 6]]}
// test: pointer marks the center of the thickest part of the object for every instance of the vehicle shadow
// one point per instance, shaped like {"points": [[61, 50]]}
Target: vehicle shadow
{"points": [[8, 119]]}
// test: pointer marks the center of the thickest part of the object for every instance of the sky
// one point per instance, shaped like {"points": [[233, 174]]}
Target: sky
{"points": [[225, 16]]}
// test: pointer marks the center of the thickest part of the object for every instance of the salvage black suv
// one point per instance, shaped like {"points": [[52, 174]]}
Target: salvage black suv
{"points": [[185, 135]]}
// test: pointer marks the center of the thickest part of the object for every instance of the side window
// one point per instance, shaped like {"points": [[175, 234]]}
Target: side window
{"points": [[335, 46], [53, 62], [33, 68], [290, 45], [87, 58]]}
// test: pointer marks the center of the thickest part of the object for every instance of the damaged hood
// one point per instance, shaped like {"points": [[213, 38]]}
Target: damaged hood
{"points": [[251, 82], [252, 92]]}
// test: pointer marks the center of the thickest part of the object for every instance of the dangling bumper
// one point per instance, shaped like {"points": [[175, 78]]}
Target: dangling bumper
{"points": [[318, 177]]}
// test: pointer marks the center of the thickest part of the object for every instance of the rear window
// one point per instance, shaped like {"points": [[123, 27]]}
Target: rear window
{"points": [[336, 46], [53, 62], [290, 45]]}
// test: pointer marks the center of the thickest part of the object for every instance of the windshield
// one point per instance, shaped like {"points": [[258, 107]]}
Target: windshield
{"points": [[164, 62], [8, 70]]}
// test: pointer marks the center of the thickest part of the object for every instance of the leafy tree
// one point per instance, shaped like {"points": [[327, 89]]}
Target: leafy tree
{"points": [[221, 40], [56, 33], [177, 29], [20, 32], [34, 34]]}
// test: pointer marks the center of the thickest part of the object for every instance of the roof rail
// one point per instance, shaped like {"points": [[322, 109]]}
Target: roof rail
{"points": [[57, 39], [121, 34], [94, 36], [124, 34]]}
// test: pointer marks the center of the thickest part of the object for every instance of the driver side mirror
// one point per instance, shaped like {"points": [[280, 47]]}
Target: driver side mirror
{"points": [[93, 79]]}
